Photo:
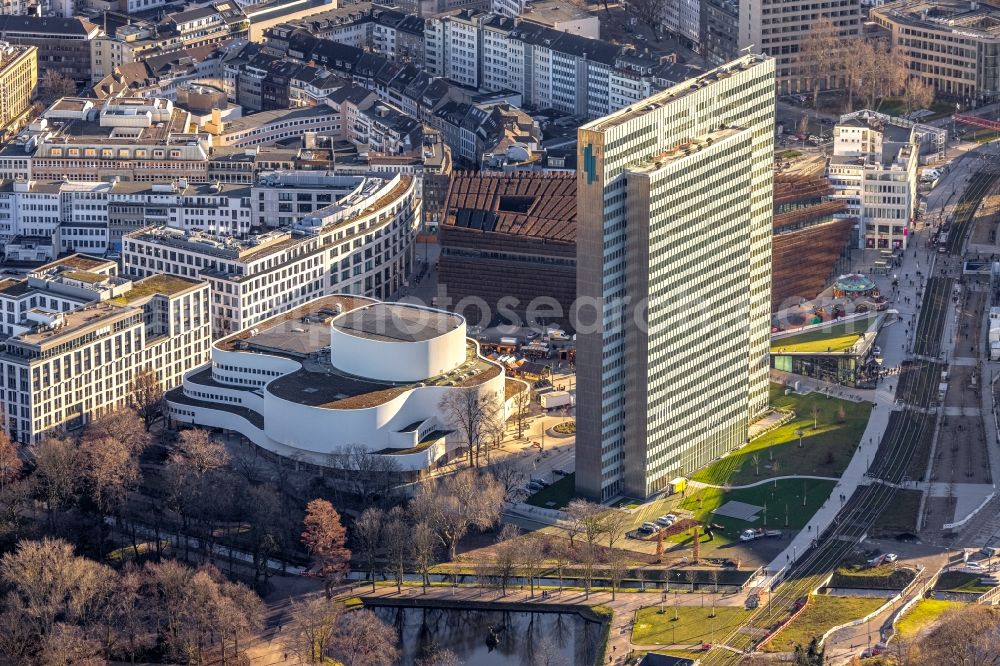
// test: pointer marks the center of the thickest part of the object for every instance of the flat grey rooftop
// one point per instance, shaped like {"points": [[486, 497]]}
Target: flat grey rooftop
{"points": [[395, 322]]}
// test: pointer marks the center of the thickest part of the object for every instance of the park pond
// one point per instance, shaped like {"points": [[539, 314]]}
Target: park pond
{"points": [[494, 637]]}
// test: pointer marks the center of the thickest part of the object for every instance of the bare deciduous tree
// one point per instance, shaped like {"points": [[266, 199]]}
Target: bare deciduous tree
{"points": [[505, 558], [122, 424], [522, 408], [440, 657], [820, 58], [966, 636], [531, 556], [54, 85], [109, 469], [424, 551], [55, 471], [361, 639], [456, 503], [200, 452], [368, 534], [648, 12], [10, 461], [588, 517], [469, 413], [917, 94], [313, 623], [617, 569], [47, 582], [616, 524], [396, 544], [560, 554], [512, 476], [146, 396], [369, 476]]}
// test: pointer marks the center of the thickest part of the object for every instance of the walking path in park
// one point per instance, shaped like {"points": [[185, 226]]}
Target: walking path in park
{"points": [[770, 479]]}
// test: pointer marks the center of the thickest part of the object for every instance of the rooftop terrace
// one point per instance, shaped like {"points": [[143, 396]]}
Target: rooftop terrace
{"points": [[672, 93], [321, 385], [161, 283], [275, 335], [393, 322]]}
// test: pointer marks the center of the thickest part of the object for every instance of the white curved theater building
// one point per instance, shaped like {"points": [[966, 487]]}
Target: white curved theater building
{"points": [[344, 371]]}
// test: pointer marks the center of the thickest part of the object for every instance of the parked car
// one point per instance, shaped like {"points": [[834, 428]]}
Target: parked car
{"points": [[873, 651], [666, 520], [875, 561], [561, 472], [990, 551], [974, 566], [649, 527], [891, 557], [541, 482]]}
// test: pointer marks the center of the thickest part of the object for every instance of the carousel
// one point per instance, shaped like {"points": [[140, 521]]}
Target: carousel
{"points": [[854, 286]]}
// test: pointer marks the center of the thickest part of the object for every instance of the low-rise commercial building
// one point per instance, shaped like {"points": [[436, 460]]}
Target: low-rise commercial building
{"points": [[953, 45], [79, 335], [344, 371], [873, 171], [63, 44]]}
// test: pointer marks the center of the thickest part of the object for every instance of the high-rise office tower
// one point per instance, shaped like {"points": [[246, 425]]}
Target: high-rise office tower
{"points": [[673, 279]]}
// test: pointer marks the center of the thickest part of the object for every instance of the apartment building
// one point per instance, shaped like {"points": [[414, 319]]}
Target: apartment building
{"points": [[561, 16], [674, 212], [719, 30], [136, 38], [777, 28], [79, 334], [951, 44], [683, 19], [18, 82], [873, 171], [548, 68], [63, 44], [361, 244], [158, 75]]}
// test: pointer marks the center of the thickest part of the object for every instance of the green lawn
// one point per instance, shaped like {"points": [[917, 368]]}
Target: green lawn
{"points": [[822, 613], [960, 581], [825, 451], [775, 496], [555, 496], [925, 612], [834, 338], [788, 154], [694, 624]]}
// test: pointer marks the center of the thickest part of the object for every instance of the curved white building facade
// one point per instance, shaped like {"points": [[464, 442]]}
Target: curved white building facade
{"points": [[343, 371]]}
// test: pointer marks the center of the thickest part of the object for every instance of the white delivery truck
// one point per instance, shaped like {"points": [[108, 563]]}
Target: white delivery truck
{"points": [[554, 399]]}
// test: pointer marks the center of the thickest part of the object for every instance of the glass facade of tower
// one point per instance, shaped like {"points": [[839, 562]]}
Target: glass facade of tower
{"points": [[673, 279]]}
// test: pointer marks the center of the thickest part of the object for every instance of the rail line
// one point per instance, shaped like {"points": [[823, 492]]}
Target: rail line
{"points": [[917, 389]]}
